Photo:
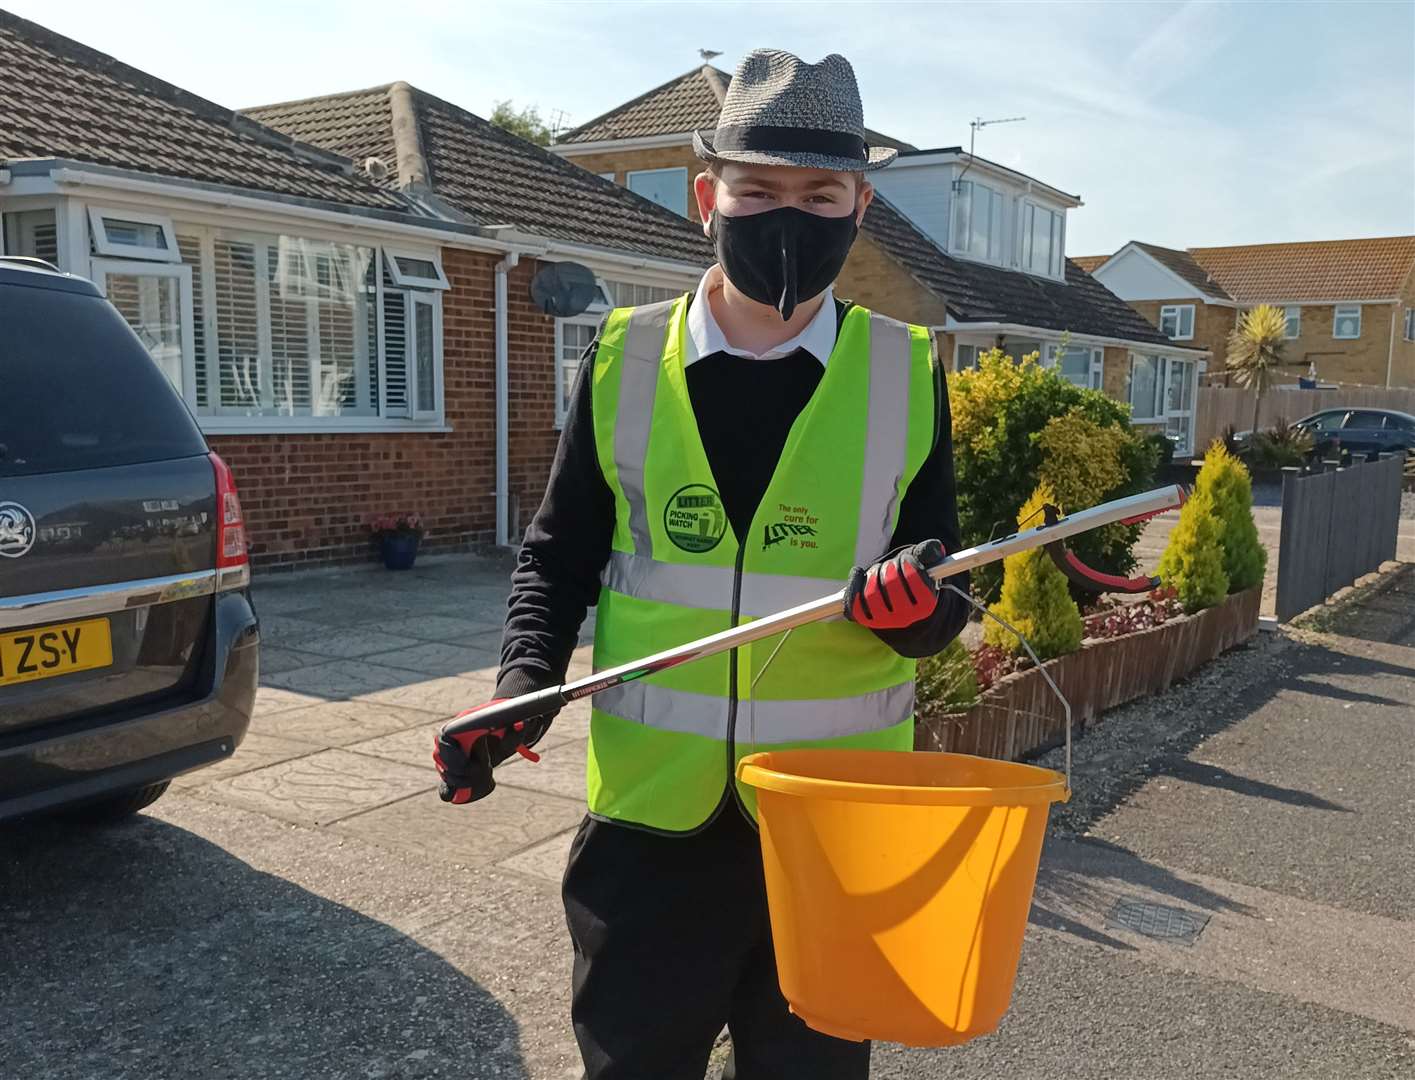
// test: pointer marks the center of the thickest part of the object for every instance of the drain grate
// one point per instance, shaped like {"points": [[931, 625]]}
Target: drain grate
{"points": [[1158, 921]]}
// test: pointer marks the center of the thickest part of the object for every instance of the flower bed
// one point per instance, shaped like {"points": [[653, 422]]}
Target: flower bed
{"points": [[1018, 715]]}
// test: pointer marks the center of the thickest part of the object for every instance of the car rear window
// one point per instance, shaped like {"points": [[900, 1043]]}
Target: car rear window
{"points": [[78, 390], [1367, 420]]}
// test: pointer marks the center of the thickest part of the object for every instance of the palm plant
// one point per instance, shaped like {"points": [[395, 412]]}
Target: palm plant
{"points": [[1255, 351]]}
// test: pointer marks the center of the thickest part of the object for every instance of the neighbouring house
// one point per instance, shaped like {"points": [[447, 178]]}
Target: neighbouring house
{"points": [[1350, 304], [343, 319], [967, 247]]}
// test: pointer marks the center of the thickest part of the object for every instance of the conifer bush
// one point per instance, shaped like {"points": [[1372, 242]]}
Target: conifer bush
{"points": [[1192, 563], [1227, 479], [1035, 597]]}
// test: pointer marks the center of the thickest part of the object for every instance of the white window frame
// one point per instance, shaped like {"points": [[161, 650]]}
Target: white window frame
{"points": [[587, 319], [1293, 312], [434, 301], [1160, 412], [1096, 373], [958, 347], [100, 269], [1178, 311], [995, 251], [1336, 317], [1056, 261], [408, 281], [1410, 324], [679, 169], [97, 216]]}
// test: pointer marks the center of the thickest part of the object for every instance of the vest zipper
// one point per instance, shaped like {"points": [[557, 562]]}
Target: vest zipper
{"points": [[732, 691]]}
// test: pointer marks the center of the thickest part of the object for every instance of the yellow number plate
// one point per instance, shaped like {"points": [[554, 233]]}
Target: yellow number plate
{"points": [[46, 651]]}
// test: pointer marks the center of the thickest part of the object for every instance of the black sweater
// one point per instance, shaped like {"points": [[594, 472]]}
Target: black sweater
{"points": [[744, 409]]}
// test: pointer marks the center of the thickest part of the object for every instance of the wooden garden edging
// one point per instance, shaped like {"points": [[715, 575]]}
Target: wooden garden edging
{"points": [[1019, 715]]}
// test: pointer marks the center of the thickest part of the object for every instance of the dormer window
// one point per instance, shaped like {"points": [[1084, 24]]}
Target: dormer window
{"points": [[1040, 232], [977, 221]]}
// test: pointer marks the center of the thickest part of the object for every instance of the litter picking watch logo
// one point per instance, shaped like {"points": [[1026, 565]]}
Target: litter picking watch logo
{"points": [[16, 530], [694, 518]]}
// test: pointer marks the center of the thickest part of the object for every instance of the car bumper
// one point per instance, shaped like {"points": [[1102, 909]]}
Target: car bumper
{"points": [[98, 756]]}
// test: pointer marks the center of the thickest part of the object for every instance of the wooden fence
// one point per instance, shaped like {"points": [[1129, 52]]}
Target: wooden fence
{"points": [[1219, 407], [1336, 526]]}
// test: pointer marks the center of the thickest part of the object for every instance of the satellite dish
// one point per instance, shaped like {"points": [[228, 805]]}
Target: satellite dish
{"points": [[564, 289]]}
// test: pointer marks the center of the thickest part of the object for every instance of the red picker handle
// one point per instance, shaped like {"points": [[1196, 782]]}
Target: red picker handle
{"points": [[500, 715]]}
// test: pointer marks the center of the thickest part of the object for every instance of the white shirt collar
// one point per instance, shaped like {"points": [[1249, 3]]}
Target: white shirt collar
{"points": [[705, 337]]}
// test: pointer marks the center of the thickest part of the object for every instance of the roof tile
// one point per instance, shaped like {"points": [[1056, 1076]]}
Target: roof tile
{"points": [[1373, 269], [60, 99]]}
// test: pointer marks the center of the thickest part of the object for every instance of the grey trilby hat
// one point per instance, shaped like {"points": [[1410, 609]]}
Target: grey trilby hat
{"points": [[780, 110]]}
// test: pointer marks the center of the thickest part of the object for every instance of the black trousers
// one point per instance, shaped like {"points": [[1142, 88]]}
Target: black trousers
{"points": [[672, 941]]}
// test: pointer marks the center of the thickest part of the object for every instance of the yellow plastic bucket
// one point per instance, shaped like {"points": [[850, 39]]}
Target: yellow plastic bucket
{"points": [[899, 885]]}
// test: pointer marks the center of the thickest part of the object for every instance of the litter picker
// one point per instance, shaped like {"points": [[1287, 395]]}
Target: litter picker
{"points": [[1052, 534]]}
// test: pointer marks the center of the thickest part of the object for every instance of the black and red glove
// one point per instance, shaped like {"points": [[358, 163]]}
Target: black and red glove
{"points": [[464, 761], [896, 591]]}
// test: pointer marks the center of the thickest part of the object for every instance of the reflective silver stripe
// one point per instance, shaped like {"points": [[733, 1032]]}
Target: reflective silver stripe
{"points": [[887, 437], [100, 599], [710, 587], [638, 384], [759, 723]]}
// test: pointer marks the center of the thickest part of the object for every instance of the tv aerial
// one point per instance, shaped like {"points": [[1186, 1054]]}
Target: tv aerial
{"points": [[974, 125]]}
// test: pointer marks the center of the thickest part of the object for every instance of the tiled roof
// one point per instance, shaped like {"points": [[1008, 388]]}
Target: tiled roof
{"points": [[1089, 262], [493, 176], [60, 99], [975, 292], [1374, 269], [688, 103], [1183, 264]]}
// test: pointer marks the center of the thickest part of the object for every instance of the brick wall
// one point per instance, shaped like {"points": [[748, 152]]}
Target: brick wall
{"points": [[876, 280], [1212, 325], [307, 497]]}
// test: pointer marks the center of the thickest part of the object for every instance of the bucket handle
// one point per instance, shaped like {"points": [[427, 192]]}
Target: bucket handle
{"points": [[1046, 675]]}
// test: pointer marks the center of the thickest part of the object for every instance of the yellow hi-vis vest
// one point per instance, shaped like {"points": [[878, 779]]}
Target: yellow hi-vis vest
{"points": [[664, 748]]}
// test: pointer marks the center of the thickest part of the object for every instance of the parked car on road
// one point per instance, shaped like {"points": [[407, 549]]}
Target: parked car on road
{"points": [[128, 643], [1355, 432]]}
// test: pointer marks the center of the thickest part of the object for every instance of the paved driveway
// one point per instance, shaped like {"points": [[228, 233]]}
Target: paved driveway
{"points": [[310, 910]]}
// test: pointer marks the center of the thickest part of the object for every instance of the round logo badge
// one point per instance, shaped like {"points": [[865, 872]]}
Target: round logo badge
{"points": [[694, 518], [16, 530]]}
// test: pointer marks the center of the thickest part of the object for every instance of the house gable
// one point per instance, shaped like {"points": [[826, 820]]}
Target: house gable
{"points": [[1135, 274]]}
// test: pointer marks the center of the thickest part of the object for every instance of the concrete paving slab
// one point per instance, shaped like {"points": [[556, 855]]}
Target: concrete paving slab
{"points": [[338, 723], [347, 642], [444, 696], [546, 860], [274, 699], [340, 680], [572, 724], [439, 658], [508, 821], [274, 660], [278, 630], [444, 628], [255, 752], [412, 746], [321, 788], [560, 771]]}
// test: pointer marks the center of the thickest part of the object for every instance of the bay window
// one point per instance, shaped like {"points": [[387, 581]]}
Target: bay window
{"points": [[1041, 240], [268, 331], [977, 221], [1080, 365], [32, 233]]}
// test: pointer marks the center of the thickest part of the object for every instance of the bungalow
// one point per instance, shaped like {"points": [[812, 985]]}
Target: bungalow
{"points": [[1350, 304], [970, 248], [355, 334]]}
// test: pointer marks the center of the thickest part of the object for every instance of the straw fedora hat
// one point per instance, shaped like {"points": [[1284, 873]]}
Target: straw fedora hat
{"points": [[780, 110]]}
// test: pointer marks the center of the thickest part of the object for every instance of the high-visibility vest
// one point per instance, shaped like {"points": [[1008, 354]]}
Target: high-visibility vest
{"points": [[663, 748]]}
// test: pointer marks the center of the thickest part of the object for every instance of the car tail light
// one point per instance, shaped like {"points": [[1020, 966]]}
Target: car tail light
{"points": [[233, 567]]}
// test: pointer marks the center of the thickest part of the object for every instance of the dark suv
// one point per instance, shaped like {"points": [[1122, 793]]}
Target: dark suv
{"points": [[1360, 432], [128, 643]]}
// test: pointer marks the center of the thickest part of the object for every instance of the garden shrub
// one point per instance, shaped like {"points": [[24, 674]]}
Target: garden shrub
{"points": [[947, 680], [1225, 477], [1192, 563], [1035, 598], [1011, 423]]}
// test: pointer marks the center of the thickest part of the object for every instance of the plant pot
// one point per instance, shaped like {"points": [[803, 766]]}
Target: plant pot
{"points": [[399, 550]]}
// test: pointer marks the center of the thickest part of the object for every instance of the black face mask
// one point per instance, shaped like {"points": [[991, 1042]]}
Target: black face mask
{"points": [[782, 257]]}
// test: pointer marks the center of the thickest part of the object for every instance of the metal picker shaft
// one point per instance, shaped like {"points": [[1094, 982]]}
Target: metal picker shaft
{"points": [[528, 706]]}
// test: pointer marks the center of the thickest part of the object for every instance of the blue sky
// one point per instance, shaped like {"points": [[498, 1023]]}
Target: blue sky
{"points": [[1184, 124]]}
